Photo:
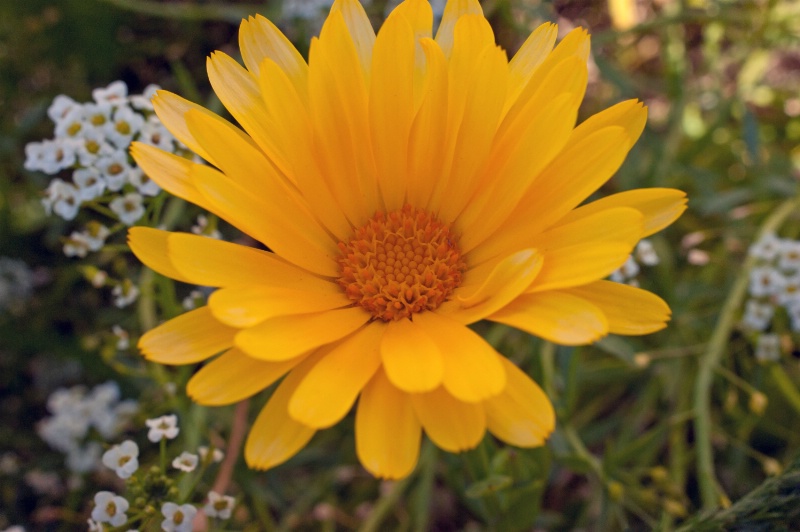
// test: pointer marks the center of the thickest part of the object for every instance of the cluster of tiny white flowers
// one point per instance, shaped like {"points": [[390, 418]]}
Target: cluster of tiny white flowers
{"points": [[644, 254], [75, 412], [774, 289], [16, 284], [92, 140]]}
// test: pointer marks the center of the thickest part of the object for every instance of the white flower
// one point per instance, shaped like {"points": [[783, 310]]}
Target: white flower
{"points": [[50, 156], [191, 301], [116, 93], [124, 293], [186, 462], [757, 315], [109, 508], [62, 199], [143, 184], [128, 208], [154, 133], [626, 272], [98, 278], [94, 526], [202, 228], [768, 348], [216, 456], [97, 115], [144, 101], [60, 107], [646, 253], [789, 255], [96, 234], [219, 506], [767, 247], [124, 126], [765, 281], [164, 427], [72, 125], [76, 245], [177, 518], [790, 290], [123, 459], [793, 309], [89, 182], [84, 459], [93, 146], [123, 338], [115, 169]]}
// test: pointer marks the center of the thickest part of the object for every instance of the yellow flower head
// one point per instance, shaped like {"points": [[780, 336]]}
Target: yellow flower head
{"points": [[406, 187]]}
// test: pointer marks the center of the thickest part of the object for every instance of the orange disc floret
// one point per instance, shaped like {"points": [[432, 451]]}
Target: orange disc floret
{"points": [[400, 263]]}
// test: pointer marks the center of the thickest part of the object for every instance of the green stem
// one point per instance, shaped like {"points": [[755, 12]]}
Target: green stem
{"points": [[385, 505], [421, 508], [709, 489], [786, 386], [583, 453]]}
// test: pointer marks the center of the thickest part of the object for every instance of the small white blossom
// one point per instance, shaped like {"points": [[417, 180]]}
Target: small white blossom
{"points": [[96, 234], [114, 169], [193, 300], [177, 518], [98, 278], [93, 146], [219, 506], [144, 101], [768, 348], [766, 248], [116, 93], [50, 156], [125, 124], [123, 338], [124, 293], [145, 185], [790, 290], [216, 456], [154, 133], [60, 107], [203, 228], [164, 427], [62, 199], [123, 459], [72, 125], [128, 208], [793, 309], [90, 183], [186, 462], [109, 508], [765, 281], [646, 253], [789, 255], [76, 245], [757, 315], [97, 115]]}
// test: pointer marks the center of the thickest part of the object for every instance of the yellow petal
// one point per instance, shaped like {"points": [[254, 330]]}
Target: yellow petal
{"points": [[275, 436], [622, 224], [419, 15], [286, 337], [294, 134], [472, 369], [411, 358], [629, 310], [529, 56], [660, 206], [234, 376], [171, 109], [189, 338], [491, 286], [171, 172], [259, 38], [269, 219], [453, 10], [630, 114], [451, 424], [245, 306], [580, 264], [210, 262], [391, 106], [555, 316], [359, 27], [331, 387], [521, 415], [387, 430], [150, 246], [238, 90]]}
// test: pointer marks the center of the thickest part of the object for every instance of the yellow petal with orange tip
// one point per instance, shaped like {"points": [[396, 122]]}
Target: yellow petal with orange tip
{"points": [[233, 376], [331, 387], [451, 424], [150, 246], [188, 338], [387, 429], [556, 316], [210, 262], [521, 415], [411, 358], [246, 306], [629, 310], [285, 337], [472, 369], [275, 436]]}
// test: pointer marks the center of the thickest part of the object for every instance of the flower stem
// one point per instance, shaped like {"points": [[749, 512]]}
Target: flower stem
{"points": [[709, 489]]}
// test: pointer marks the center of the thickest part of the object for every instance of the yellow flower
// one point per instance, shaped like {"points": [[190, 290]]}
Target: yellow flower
{"points": [[406, 187]]}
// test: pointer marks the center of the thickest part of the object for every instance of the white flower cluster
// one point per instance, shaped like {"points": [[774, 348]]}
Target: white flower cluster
{"points": [[774, 285], [644, 254], [16, 284], [75, 412], [92, 140]]}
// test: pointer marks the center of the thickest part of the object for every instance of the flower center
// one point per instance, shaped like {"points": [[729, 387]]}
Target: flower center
{"points": [[400, 263]]}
